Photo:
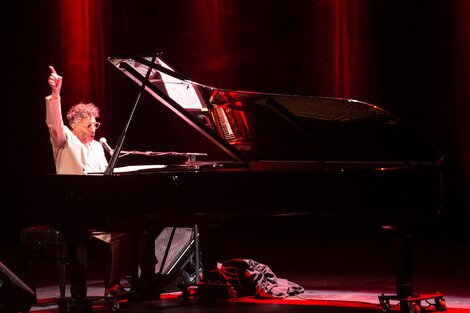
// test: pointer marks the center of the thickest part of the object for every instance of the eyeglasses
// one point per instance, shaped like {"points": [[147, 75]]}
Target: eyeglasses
{"points": [[95, 125]]}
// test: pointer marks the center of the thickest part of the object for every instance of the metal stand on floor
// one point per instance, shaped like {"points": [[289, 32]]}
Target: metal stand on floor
{"points": [[406, 297], [178, 267], [180, 261]]}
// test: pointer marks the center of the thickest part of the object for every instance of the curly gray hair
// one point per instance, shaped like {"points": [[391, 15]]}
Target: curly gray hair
{"points": [[82, 110]]}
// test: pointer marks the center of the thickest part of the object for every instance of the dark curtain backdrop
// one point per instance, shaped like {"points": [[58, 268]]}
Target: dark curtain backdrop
{"points": [[409, 57]]}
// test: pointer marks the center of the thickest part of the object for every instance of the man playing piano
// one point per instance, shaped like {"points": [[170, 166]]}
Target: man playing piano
{"points": [[76, 152]]}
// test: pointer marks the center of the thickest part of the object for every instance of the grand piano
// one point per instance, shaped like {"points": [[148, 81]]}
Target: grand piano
{"points": [[239, 153]]}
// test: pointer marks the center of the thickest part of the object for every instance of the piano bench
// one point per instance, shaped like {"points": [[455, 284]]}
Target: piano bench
{"points": [[45, 244]]}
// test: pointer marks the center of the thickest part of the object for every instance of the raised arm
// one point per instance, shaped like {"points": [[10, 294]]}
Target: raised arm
{"points": [[54, 120], [55, 81]]}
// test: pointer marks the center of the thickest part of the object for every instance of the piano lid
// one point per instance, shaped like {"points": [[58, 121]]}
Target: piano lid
{"points": [[256, 126]]}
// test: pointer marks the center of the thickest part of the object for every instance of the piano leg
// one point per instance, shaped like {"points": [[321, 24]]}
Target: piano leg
{"points": [[404, 280], [79, 302], [144, 259], [78, 259], [410, 302]]}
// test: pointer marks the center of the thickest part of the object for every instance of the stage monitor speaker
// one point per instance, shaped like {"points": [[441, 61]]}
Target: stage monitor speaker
{"points": [[178, 257], [15, 295]]}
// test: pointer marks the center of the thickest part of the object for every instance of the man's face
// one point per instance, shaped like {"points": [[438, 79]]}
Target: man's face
{"points": [[85, 129]]}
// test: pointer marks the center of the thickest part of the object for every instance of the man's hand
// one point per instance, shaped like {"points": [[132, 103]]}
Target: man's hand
{"points": [[55, 81]]}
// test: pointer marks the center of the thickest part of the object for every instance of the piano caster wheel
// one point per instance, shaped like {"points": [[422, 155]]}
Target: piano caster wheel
{"points": [[67, 305], [63, 306], [414, 307], [440, 304], [412, 304], [385, 304], [114, 306]]}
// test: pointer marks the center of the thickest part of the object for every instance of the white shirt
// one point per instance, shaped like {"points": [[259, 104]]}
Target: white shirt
{"points": [[71, 156]]}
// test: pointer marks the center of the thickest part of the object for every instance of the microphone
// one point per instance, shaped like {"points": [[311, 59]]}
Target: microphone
{"points": [[105, 145]]}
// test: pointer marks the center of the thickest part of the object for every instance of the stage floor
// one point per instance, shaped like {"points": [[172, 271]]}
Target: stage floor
{"points": [[342, 270]]}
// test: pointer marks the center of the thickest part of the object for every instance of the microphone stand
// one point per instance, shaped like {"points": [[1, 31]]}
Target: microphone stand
{"points": [[112, 163]]}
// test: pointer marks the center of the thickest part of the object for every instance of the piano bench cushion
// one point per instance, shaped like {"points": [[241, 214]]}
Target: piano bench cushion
{"points": [[43, 242]]}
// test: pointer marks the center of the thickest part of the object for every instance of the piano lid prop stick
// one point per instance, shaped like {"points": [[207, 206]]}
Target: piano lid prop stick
{"points": [[112, 163]]}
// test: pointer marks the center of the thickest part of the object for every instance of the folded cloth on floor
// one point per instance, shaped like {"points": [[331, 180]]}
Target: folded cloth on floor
{"points": [[249, 277]]}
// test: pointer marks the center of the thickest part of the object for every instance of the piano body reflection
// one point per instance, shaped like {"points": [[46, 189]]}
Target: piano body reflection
{"points": [[255, 154]]}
